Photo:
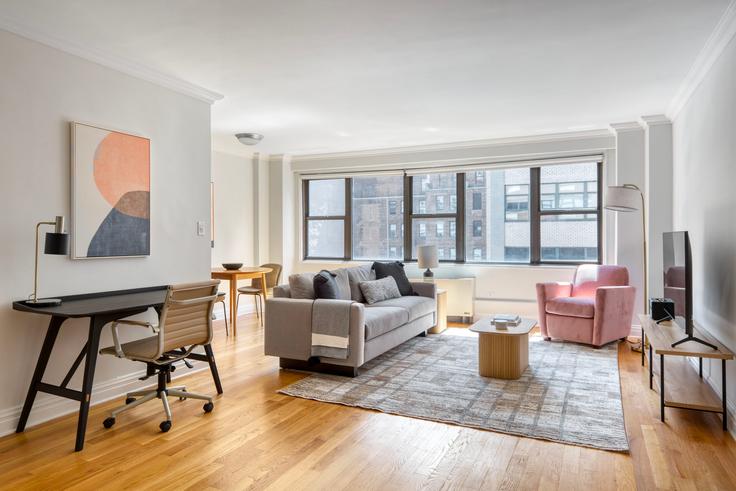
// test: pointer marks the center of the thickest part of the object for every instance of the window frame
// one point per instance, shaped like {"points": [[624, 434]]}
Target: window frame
{"points": [[459, 216]]}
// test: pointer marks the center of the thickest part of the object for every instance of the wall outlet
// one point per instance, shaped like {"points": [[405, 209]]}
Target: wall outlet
{"points": [[200, 228]]}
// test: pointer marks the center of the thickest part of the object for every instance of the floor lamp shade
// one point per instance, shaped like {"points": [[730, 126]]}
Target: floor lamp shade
{"points": [[427, 258], [624, 198]]}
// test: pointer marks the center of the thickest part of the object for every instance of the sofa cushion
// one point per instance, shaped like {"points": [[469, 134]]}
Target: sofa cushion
{"points": [[356, 274], [572, 307], [380, 320], [301, 286], [394, 269], [416, 307], [343, 283]]}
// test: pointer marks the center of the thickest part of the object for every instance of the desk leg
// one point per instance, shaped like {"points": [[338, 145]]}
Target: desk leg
{"points": [[661, 386], [723, 394], [213, 367], [93, 346], [233, 305], [643, 347], [651, 366], [43, 359]]}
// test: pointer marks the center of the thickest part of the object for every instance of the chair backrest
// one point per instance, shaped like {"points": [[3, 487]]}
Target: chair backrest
{"points": [[588, 277], [186, 318], [272, 278]]}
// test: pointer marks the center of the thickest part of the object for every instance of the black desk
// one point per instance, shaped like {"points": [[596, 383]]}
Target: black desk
{"points": [[102, 308]]}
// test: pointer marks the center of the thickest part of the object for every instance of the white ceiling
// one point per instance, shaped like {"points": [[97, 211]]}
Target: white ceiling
{"points": [[320, 76]]}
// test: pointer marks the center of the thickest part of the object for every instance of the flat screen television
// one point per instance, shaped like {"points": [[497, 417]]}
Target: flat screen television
{"points": [[677, 259]]}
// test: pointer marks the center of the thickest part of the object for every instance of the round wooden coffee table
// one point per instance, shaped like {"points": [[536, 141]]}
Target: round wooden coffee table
{"points": [[503, 353]]}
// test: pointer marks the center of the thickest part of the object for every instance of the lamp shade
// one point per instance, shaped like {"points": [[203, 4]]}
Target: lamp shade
{"points": [[622, 198], [57, 244], [427, 257]]}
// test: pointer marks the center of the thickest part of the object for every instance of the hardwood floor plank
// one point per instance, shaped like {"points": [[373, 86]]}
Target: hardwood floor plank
{"points": [[259, 439]]}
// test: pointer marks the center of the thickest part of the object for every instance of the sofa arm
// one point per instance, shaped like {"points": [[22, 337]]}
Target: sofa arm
{"points": [[548, 291], [288, 328], [614, 309], [424, 288]]}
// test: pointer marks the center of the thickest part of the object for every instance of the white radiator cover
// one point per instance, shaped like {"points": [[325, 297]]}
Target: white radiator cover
{"points": [[460, 296]]}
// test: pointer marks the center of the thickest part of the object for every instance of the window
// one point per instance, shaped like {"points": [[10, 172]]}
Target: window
{"points": [[325, 218], [542, 214], [440, 189], [477, 201]]}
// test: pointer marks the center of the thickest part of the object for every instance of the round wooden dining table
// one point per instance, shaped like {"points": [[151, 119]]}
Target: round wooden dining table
{"points": [[232, 276]]}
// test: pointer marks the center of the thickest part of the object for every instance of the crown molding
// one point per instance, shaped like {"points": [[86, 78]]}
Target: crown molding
{"points": [[655, 120], [541, 138], [722, 34], [625, 127], [117, 63]]}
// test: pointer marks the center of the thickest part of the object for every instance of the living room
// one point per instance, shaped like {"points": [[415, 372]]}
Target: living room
{"points": [[474, 245]]}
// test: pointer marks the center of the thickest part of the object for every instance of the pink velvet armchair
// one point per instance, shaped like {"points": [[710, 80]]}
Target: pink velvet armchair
{"points": [[596, 308]]}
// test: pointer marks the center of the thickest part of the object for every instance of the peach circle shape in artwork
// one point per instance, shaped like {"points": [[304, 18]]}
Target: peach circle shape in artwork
{"points": [[122, 165]]}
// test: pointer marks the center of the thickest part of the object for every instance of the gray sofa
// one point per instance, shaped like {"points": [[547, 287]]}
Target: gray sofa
{"points": [[374, 329]]}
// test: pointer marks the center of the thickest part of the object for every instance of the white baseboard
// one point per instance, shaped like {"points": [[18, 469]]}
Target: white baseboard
{"points": [[48, 407], [242, 310]]}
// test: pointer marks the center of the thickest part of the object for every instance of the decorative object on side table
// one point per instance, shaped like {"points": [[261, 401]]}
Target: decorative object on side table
{"points": [[427, 258], [110, 193], [56, 243], [232, 266]]}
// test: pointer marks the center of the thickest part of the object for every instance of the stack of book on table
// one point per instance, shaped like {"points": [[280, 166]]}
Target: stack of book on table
{"points": [[506, 319]]}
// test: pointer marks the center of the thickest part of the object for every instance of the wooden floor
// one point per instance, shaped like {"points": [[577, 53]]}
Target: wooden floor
{"points": [[256, 438]]}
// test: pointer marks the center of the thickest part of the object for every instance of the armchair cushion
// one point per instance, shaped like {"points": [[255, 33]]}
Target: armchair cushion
{"points": [[583, 307]]}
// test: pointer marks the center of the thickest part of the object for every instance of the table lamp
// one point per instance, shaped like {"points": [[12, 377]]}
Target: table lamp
{"points": [[56, 243], [427, 258]]}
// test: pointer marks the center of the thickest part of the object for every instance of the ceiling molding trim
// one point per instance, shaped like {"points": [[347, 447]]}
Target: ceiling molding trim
{"points": [[118, 63], [722, 34], [626, 126], [541, 138], [655, 120]]}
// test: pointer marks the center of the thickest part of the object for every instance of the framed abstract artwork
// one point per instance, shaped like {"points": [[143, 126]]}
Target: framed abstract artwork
{"points": [[111, 191]]}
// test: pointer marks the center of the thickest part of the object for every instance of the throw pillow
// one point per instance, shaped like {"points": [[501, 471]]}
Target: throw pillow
{"points": [[301, 285], [357, 274], [379, 290], [396, 271], [325, 285]]}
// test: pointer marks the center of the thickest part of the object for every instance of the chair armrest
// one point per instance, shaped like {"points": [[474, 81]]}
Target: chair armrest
{"points": [[614, 309], [424, 288], [548, 291], [129, 322]]}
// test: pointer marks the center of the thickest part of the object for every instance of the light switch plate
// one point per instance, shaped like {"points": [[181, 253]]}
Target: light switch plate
{"points": [[200, 228]]}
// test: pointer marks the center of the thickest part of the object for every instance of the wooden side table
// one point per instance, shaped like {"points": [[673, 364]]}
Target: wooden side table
{"points": [[503, 353], [441, 312]]}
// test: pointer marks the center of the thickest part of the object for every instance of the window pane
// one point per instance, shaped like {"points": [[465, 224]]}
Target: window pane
{"points": [[377, 230], [569, 238], [498, 229], [434, 193], [569, 186], [327, 198], [434, 231], [326, 238]]}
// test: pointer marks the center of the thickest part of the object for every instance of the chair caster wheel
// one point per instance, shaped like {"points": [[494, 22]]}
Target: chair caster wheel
{"points": [[108, 422], [208, 407], [165, 426], [182, 398], [129, 400]]}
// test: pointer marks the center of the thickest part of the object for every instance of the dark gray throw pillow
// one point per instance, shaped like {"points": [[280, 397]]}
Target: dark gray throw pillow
{"points": [[395, 270], [325, 285]]}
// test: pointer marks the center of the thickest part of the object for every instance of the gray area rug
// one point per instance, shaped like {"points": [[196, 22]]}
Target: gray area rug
{"points": [[570, 393]]}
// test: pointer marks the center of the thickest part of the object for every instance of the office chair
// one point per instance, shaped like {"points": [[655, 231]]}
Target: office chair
{"points": [[185, 323], [272, 279]]}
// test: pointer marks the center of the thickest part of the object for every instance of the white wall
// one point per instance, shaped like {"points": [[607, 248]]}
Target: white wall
{"points": [[235, 234], [704, 135], [41, 90]]}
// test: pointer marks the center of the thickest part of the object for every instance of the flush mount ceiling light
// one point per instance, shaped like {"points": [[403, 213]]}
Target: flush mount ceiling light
{"points": [[249, 138]]}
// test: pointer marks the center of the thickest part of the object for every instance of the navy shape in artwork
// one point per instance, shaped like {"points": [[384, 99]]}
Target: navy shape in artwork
{"points": [[122, 234]]}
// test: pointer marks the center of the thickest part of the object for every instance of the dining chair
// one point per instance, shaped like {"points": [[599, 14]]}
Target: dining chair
{"points": [[221, 299], [272, 279]]}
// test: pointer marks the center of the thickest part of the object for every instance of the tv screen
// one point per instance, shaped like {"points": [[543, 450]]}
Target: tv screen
{"points": [[678, 282]]}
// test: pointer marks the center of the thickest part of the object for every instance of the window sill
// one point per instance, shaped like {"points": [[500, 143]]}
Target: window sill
{"points": [[452, 264]]}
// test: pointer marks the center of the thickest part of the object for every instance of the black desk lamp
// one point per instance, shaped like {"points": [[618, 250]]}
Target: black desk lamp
{"points": [[57, 243]]}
